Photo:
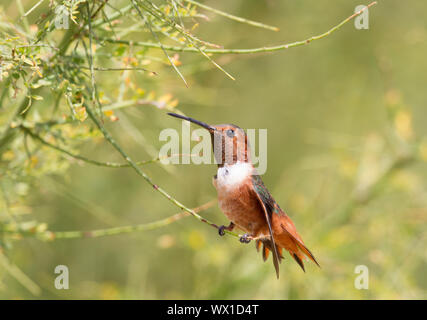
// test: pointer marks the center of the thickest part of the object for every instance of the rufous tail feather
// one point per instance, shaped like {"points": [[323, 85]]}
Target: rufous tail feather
{"points": [[301, 246]]}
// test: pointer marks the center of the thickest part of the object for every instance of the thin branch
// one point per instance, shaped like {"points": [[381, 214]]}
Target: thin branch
{"points": [[24, 18], [241, 51], [154, 11], [55, 235], [131, 103], [95, 97], [91, 161], [113, 16], [176, 11], [99, 8], [232, 17], [119, 69], [31, 10], [147, 22], [191, 39]]}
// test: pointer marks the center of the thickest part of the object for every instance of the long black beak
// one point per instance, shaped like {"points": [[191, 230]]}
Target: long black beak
{"points": [[200, 123]]}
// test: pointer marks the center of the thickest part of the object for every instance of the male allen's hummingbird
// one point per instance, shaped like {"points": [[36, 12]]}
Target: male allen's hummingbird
{"points": [[245, 200]]}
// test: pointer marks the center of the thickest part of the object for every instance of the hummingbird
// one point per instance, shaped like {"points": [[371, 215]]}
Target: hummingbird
{"points": [[245, 200]]}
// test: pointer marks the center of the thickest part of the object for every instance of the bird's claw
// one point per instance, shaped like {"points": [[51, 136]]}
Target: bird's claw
{"points": [[221, 230], [246, 238]]}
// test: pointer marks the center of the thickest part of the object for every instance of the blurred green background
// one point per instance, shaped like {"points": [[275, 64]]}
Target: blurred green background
{"points": [[347, 150]]}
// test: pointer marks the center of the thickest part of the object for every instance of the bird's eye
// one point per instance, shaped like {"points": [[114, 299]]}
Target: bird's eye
{"points": [[230, 133]]}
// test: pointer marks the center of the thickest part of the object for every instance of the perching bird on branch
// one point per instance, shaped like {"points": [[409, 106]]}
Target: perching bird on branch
{"points": [[245, 200]]}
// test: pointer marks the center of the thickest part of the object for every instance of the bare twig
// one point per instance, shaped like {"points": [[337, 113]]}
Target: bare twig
{"points": [[159, 43], [242, 51], [56, 235], [232, 17], [95, 162]]}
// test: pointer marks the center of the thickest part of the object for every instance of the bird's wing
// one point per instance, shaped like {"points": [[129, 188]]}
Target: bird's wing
{"points": [[265, 200], [273, 208]]}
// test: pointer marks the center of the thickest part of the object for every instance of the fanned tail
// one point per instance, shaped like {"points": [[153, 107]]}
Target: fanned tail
{"points": [[291, 242], [296, 248]]}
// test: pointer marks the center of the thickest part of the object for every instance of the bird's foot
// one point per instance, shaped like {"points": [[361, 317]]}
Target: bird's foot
{"points": [[246, 238], [221, 229]]}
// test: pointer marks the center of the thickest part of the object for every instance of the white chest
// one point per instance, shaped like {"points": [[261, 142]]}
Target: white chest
{"points": [[232, 176]]}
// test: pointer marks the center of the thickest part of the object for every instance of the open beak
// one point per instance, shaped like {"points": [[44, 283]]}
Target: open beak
{"points": [[200, 123]]}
